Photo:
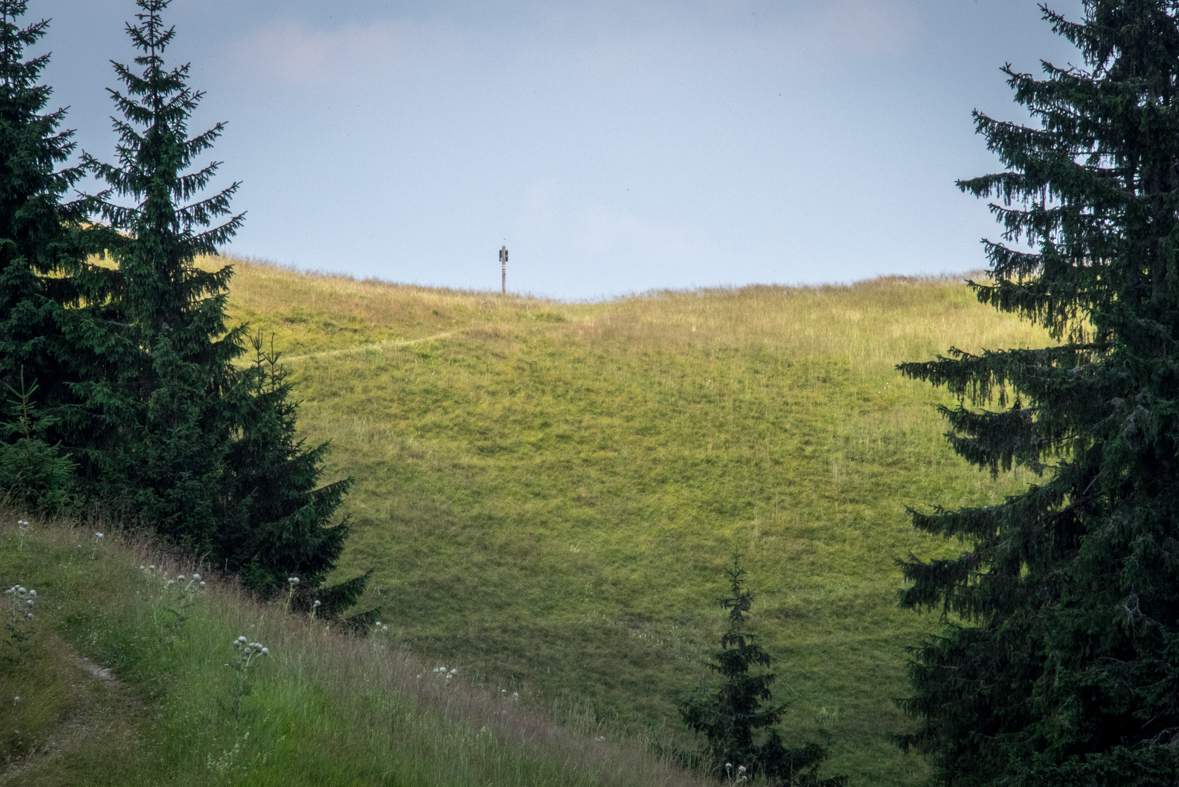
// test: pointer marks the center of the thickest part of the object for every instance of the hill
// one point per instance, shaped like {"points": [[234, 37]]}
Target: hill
{"points": [[547, 491], [121, 665]]}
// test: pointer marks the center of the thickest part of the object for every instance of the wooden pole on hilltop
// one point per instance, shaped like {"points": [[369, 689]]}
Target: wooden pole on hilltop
{"points": [[503, 266]]}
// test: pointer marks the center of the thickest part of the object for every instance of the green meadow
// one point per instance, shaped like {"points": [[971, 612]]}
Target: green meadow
{"points": [[546, 492], [130, 673]]}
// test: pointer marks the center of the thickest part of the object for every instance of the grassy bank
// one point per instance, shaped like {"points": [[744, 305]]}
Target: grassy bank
{"points": [[547, 491], [129, 676]]}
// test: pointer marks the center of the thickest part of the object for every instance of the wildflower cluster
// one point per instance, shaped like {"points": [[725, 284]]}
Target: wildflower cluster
{"points": [[184, 584], [247, 653], [179, 594], [23, 529], [442, 674], [20, 622], [249, 650], [292, 583], [741, 776], [196, 580], [22, 602]]}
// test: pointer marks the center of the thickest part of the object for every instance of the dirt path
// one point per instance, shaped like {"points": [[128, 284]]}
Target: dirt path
{"points": [[369, 346], [106, 709]]}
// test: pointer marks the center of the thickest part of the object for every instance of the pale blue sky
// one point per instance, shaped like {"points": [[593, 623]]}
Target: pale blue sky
{"points": [[615, 147]]}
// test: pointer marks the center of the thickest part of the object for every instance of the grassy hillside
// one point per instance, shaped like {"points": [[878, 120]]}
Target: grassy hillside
{"points": [[548, 492], [128, 674]]}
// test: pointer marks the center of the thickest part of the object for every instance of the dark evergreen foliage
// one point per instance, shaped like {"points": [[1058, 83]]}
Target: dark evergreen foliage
{"points": [[199, 450], [169, 397], [35, 476], [284, 513], [730, 717], [40, 237], [131, 366], [1057, 666]]}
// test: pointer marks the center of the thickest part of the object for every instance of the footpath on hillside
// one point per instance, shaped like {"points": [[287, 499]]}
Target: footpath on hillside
{"points": [[368, 346], [102, 708]]}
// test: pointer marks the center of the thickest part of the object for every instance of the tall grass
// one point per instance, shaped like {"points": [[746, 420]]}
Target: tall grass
{"points": [[547, 491], [131, 682]]}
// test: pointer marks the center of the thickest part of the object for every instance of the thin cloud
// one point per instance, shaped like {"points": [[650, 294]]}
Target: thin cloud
{"points": [[291, 52]]}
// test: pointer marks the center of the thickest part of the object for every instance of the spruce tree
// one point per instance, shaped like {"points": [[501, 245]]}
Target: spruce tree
{"points": [[283, 529], [731, 717], [203, 452], [1057, 662], [35, 476], [40, 235], [171, 395]]}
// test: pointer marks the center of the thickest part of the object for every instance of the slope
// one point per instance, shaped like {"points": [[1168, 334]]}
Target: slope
{"points": [[547, 491]]}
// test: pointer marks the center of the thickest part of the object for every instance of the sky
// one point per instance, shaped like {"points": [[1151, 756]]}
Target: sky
{"points": [[613, 147]]}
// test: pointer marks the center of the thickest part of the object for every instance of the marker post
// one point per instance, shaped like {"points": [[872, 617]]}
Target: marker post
{"points": [[503, 269]]}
